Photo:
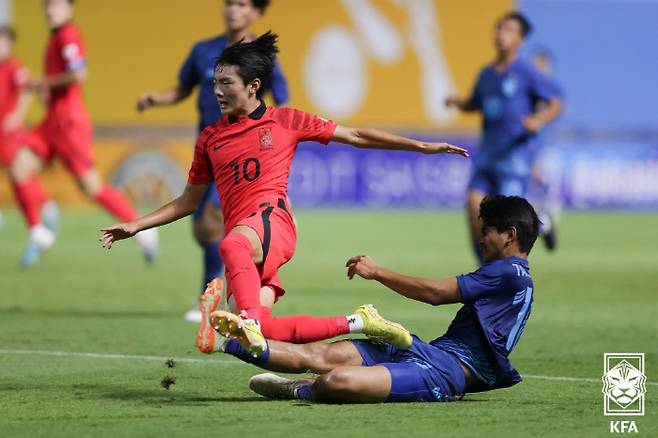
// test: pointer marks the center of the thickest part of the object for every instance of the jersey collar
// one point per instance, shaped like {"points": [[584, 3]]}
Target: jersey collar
{"points": [[256, 114]]}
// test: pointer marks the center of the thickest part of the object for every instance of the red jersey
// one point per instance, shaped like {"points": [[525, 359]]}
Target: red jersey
{"points": [[65, 53], [13, 77], [249, 157]]}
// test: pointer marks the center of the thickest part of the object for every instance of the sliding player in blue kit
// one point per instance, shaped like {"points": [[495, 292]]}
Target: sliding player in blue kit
{"points": [[507, 93], [471, 356], [198, 70]]}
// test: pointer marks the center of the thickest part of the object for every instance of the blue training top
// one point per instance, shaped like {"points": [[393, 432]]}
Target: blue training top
{"points": [[199, 69], [505, 99], [497, 302]]}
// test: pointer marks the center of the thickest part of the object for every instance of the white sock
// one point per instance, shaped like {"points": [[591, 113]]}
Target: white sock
{"points": [[355, 323]]}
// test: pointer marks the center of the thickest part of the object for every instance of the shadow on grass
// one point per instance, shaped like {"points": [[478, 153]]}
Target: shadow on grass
{"points": [[173, 397], [81, 313]]}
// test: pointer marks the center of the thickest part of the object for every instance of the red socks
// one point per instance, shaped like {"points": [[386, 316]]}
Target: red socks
{"points": [[116, 203], [241, 273], [30, 197], [301, 329]]}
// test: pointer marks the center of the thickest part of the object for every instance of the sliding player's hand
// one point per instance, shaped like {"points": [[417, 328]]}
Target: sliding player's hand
{"points": [[116, 232], [443, 148], [363, 266]]}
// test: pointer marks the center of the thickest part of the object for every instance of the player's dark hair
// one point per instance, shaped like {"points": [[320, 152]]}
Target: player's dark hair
{"points": [[254, 59], [526, 27], [261, 5], [8, 31], [504, 212]]}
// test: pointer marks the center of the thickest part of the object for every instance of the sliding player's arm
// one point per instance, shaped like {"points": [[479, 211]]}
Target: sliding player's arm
{"points": [[180, 207], [368, 138], [170, 96], [433, 292]]}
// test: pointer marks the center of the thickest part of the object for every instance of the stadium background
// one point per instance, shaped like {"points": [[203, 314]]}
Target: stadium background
{"points": [[380, 63]]}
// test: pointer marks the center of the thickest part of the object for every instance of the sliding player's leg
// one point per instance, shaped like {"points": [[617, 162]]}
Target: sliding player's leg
{"points": [[421, 373]]}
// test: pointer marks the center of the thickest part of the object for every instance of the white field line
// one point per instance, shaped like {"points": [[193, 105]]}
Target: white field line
{"points": [[230, 362]]}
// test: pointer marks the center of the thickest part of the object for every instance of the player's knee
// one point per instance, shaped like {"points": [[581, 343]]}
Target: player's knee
{"points": [[233, 246], [337, 381]]}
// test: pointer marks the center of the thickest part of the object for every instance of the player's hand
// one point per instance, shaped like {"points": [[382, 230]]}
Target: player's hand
{"points": [[146, 100], [443, 148], [453, 101], [117, 232], [363, 266], [532, 125]]}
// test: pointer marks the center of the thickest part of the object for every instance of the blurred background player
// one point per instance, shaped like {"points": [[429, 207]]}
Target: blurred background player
{"points": [[198, 70], [544, 194], [15, 101], [506, 93], [65, 132]]}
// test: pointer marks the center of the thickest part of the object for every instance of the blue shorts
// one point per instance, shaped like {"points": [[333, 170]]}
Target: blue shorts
{"points": [[421, 373], [211, 195], [497, 183]]}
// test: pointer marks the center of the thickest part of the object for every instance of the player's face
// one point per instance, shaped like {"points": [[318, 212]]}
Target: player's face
{"points": [[233, 95], [239, 14], [493, 243], [58, 12], [508, 36], [6, 45]]}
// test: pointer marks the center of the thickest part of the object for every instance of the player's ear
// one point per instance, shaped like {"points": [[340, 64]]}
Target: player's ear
{"points": [[511, 234], [254, 86]]}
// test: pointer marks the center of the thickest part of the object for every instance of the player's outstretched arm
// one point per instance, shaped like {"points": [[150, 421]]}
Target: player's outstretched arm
{"points": [[180, 207], [433, 292], [170, 96], [369, 138], [465, 105]]}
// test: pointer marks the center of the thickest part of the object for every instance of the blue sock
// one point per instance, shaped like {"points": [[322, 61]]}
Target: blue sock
{"points": [[305, 392], [212, 263], [234, 348], [478, 252]]}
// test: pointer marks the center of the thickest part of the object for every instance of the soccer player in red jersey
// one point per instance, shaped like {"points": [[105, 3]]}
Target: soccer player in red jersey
{"points": [[66, 132], [248, 154], [15, 100]]}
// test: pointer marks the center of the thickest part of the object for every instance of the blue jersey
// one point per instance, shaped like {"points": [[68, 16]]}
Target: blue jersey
{"points": [[505, 99], [497, 302], [199, 69]]}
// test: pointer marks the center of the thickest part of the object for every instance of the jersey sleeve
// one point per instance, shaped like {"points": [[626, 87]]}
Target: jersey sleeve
{"points": [[307, 127], [72, 50], [480, 283], [201, 168], [188, 74], [278, 86], [475, 99]]}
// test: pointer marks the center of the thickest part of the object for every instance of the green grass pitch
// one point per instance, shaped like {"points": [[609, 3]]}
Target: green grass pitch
{"points": [[598, 293]]}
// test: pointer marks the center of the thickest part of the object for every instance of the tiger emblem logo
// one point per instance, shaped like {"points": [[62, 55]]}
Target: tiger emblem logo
{"points": [[624, 384]]}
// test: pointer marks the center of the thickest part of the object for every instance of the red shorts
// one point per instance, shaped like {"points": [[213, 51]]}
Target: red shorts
{"points": [[277, 232], [9, 144], [68, 137]]}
